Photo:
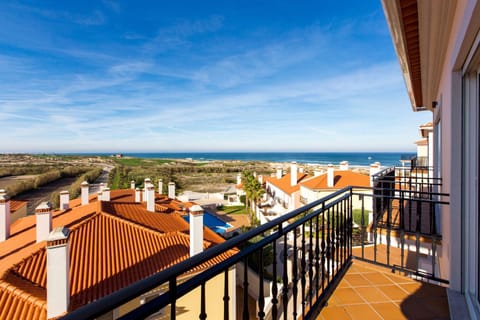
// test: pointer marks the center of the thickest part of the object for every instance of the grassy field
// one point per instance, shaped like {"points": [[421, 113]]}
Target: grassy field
{"points": [[233, 209], [357, 217], [135, 162]]}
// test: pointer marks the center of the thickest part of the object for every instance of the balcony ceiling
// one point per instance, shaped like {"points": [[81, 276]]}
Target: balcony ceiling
{"points": [[420, 32]]}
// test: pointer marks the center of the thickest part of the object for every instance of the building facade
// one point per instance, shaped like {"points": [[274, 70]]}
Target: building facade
{"points": [[438, 46]]}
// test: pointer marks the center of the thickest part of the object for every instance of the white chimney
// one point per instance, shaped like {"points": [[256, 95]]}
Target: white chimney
{"points": [[301, 170], [344, 165], [317, 173], [43, 215], [279, 173], [171, 190], [132, 184], [254, 174], [84, 187], [374, 169], [64, 200], [330, 176], [146, 184], [102, 186], [239, 179], [58, 275], [138, 195], [160, 186], [4, 215], [151, 198], [293, 174], [196, 230], [106, 194], [260, 179], [99, 196]]}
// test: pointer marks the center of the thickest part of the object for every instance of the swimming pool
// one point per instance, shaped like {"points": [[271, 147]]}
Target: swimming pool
{"points": [[211, 221]]}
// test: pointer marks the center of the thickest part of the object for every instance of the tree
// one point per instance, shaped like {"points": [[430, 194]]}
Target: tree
{"points": [[253, 190]]}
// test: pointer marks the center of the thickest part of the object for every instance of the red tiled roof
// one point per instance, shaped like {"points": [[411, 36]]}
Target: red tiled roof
{"points": [[341, 179], [112, 245], [17, 204], [284, 182]]}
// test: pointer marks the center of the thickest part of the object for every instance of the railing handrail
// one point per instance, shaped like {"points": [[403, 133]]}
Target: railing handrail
{"points": [[118, 298]]}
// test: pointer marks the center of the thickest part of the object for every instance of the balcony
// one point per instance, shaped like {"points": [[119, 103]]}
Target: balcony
{"points": [[297, 265]]}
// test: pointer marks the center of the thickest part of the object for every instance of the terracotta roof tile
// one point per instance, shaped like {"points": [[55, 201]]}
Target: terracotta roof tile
{"points": [[341, 180], [284, 183], [17, 204], [100, 260]]}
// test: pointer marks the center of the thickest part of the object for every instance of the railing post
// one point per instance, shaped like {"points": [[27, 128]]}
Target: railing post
{"points": [[285, 279], [226, 297], [310, 264], [246, 315], [295, 273], [172, 287], [274, 285], [203, 314], [303, 271], [261, 298]]}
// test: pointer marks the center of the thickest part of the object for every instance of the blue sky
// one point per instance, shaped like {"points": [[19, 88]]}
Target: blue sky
{"points": [[126, 76]]}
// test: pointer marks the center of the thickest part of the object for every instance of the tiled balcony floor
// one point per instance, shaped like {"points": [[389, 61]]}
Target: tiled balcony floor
{"points": [[371, 292]]}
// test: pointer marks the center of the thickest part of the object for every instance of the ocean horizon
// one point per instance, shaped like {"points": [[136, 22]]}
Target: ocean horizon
{"points": [[321, 158]]}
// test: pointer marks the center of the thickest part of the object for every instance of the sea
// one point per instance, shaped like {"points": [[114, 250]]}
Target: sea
{"points": [[362, 159]]}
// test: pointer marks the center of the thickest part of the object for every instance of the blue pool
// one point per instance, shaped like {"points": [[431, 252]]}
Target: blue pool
{"points": [[217, 225]]}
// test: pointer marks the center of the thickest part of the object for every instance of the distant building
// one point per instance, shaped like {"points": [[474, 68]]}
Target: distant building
{"points": [[325, 183], [283, 191], [438, 47]]}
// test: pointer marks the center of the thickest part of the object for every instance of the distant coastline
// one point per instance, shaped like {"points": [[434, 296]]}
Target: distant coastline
{"points": [[360, 159]]}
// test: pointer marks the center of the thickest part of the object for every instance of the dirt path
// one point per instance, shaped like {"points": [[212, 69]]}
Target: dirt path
{"points": [[43, 193], [103, 178]]}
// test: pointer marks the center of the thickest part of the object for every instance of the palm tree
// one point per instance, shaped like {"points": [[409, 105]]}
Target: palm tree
{"points": [[253, 191]]}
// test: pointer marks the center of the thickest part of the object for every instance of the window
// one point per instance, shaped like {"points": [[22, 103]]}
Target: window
{"points": [[478, 187], [470, 183]]}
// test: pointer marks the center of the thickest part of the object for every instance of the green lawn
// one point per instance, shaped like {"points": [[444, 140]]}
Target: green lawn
{"points": [[233, 209], [141, 162], [357, 216]]}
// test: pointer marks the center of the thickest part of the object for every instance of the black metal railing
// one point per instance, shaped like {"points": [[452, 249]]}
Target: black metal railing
{"points": [[405, 215], [393, 224], [419, 162], [310, 256]]}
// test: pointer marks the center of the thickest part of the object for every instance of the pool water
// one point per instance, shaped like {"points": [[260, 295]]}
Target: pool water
{"points": [[211, 221]]}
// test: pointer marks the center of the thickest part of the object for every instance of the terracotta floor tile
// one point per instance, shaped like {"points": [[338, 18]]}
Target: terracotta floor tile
{"points": [[411, 287], [388, 310], [357, 280], [377, 279], [344, 284], [362, 312], [437, 306], [347, 296], [371, 294], [333, 301], [334, 313], [397, 278], [414, 310], [394, 292]]}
